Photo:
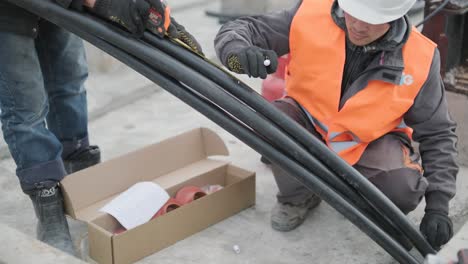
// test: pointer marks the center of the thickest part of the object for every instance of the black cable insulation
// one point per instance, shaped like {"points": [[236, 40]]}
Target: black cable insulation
{"points": [[313, 145], [231, 85], [255, 141]]}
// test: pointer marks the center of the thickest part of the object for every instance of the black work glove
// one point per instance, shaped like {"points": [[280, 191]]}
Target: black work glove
{"points": [[178, 31], [131, 14], [437, 227], [251, 61]]}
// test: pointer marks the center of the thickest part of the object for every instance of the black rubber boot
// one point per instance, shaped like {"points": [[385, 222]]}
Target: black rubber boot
{"points": [[52, 225], [82, 159]]}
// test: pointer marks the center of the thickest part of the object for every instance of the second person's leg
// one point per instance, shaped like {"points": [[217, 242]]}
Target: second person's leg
{"points": [[64, 67], [36, 151]]}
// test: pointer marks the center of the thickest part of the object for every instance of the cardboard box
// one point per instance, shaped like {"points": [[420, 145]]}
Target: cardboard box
{"points": [[173, 163]]}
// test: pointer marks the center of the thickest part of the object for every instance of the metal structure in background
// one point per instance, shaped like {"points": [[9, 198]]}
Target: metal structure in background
{"points": [[232, 9], [449, 30]]}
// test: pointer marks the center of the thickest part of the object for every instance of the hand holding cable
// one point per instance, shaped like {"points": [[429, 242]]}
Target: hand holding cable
{"points": [[177, 31], [161, 23], [138, 15], [135, 15], [253, 61]]}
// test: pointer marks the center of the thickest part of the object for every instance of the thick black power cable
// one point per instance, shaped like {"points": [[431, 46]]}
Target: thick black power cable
{"points": [[252, 139], [213, 73], [313, 145], [163, 63]]}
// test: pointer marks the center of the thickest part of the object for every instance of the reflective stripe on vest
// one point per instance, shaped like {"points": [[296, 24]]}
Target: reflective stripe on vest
{"points": [[315, 73], [339, 146]]}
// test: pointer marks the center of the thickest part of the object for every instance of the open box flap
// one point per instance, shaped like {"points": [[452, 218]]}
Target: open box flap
{"points": [[86, 191]]}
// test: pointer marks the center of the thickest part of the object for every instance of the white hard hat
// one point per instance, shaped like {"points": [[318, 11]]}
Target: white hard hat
{"points": [[376, 11]]}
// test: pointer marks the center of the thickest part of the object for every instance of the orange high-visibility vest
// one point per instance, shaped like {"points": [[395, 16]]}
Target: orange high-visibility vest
{"points": [[315, 73]]}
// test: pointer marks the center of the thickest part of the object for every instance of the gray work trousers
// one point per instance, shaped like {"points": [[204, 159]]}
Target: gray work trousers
{"points": [[388, 162]]}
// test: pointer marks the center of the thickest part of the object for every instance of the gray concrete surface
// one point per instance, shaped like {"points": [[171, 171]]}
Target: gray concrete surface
{"points": [[459, 241], [248, 7], [25, 250], [128, 112], [458, 108]]}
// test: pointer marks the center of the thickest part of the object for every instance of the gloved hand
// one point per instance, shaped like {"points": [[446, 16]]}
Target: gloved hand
{"points": [[437, 228], [131, 14], [251, 61], [178, 31]]}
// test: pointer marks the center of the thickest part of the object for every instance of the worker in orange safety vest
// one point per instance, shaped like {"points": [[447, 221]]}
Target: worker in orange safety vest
{"points": [[366, 83]]}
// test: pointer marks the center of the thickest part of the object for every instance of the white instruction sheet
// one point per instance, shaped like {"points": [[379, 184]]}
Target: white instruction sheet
{"points": [[137, 205]]}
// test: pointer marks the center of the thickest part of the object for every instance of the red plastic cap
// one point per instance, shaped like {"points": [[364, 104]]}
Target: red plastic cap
{"points": [[170, 205], [189, 193]]}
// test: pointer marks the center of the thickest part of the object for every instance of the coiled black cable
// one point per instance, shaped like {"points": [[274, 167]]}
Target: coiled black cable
{"points": [[161, 62]]}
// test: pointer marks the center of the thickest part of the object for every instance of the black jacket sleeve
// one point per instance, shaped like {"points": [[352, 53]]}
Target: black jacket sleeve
{"points": [[269, 31], [434, 129]]}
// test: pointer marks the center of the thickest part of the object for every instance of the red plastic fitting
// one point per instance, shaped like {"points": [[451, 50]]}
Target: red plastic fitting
{"points": [[189, 193], [273, 87], [170, 205]]}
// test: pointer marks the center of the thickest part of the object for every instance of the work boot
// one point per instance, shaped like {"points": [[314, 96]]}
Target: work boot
{"points": [[286, 217], [52, 226], [82, 159]]}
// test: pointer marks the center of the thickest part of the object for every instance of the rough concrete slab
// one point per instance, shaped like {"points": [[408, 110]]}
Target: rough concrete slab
{"points": [[126, 125], [325, 237], [21, 249], [459, 241], [458, 104]]}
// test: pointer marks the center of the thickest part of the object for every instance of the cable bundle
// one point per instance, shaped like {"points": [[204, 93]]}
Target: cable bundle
{"points": [[245, 114]]}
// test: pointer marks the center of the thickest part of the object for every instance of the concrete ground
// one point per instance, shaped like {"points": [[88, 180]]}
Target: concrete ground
{"points": [[128, 112]]}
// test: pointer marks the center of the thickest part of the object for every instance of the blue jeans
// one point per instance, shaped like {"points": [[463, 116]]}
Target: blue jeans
{"points": [[42, 101]]}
